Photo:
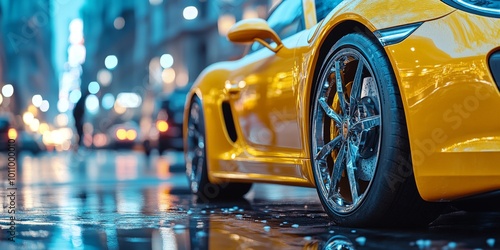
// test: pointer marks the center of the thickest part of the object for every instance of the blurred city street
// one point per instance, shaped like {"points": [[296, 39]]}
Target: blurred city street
{"points": [[123, 200]]}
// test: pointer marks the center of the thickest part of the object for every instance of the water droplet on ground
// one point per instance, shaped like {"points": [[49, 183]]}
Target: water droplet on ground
{"points": [[452, 245], [361, 240], [490, 242]]}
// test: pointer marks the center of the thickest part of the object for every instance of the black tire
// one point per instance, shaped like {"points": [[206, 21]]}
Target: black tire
{"points": [[196, 165], [371, 138]]}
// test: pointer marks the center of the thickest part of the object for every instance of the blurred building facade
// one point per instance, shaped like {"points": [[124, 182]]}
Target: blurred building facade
{"points": [[159, 45], [26, 56]]}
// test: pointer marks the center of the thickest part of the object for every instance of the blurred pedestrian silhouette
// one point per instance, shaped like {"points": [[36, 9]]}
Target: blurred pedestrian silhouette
{"points": [[78, 115]]}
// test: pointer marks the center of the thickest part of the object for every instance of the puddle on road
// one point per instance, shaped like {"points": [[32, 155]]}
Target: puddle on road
{"points": [[154, 210]]}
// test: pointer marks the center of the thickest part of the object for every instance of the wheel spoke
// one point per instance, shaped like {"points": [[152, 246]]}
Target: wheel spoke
{"points": [[329, 111], [356, 86], [338, 168], [352, 155], [328, 148], [367, 123], [340, 87]]}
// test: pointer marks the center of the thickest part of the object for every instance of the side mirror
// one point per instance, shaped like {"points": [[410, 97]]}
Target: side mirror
{"points": [[255, 29]]}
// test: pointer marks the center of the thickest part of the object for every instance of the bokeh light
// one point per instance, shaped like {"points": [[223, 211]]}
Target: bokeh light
{"points": [[111, 62], [94, 87], [76, 25], [168, 75], [224, 23], [100, 140], [28, 117], [76, 55], [32, 109], [108, 100], [8, 90], [37, 100], [61, 120], [12, 133], [166, 61], [162, 126], [121, 134], [45, 106], [131, 134], [190, 13], [62, 105], [104, 77], [92, 104], [129, 100], [119, 109], [34, 125], [75, 95], [43, 127], [119, 23]]}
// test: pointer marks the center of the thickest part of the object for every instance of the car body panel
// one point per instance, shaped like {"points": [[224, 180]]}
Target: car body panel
{"points": [[450, 97], [277, 114]]}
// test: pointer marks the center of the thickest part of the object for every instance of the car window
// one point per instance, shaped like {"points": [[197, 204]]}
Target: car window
{"points": [[324, 7], [286, 19]]}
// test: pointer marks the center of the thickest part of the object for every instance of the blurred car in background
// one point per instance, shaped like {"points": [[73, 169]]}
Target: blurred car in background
{"points": [[170, 119], [7, 132], [123, 135], [30, 142], [23, 140]]}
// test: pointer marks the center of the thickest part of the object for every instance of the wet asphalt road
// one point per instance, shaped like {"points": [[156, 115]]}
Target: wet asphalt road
{"points": [[123, 200]]}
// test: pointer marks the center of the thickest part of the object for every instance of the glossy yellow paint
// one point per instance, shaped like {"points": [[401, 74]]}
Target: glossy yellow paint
{"points": [[450, 101], [442, 64]]}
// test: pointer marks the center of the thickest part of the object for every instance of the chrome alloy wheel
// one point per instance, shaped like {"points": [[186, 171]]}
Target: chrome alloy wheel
{"points": [[195, 156], [346, 130]]}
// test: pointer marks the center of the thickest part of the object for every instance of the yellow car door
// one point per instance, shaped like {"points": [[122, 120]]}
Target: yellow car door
{"points": [[264, 88]]}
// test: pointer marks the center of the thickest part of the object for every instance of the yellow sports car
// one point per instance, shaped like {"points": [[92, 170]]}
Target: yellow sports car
{"points": [[387, 107]]}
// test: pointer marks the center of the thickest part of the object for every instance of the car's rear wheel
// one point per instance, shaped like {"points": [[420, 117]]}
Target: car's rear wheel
{"points": [[196, 161], [359, 142]]}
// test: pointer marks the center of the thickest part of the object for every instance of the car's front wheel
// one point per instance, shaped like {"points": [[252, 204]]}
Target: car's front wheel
{"points": [[196, 161], [359, 142]]}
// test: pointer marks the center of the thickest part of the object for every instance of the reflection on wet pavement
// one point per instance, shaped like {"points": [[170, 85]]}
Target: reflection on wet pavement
{"points": [[123, 200]]}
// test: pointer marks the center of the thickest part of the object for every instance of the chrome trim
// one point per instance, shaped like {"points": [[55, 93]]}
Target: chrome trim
{"points": [[396, 34]]}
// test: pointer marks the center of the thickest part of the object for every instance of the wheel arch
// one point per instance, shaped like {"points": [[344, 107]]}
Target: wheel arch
{"points": [[338, 31]]}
